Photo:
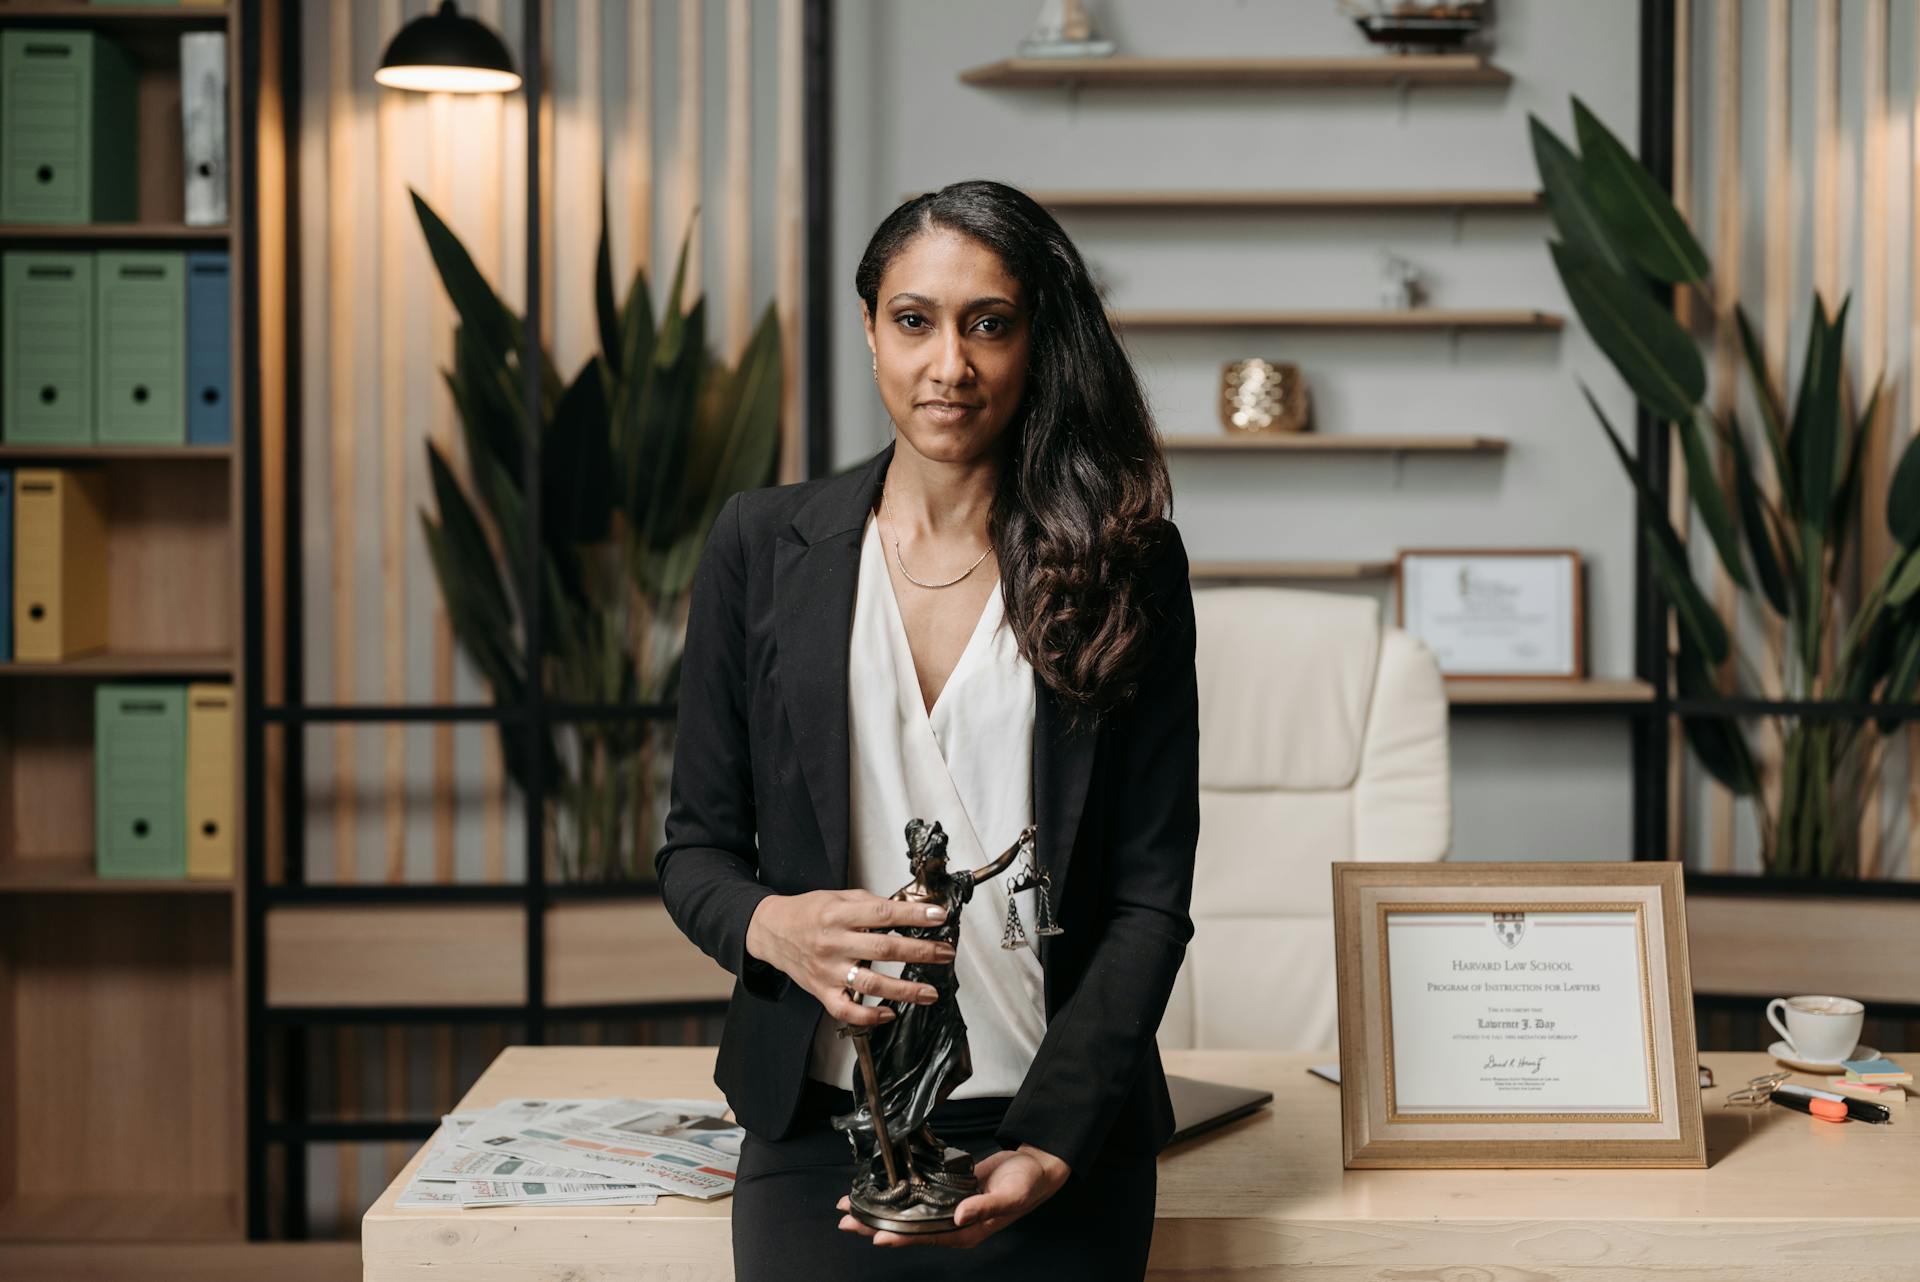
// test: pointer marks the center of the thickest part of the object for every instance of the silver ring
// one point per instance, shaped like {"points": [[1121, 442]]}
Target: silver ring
{"points": [[852, 973]]}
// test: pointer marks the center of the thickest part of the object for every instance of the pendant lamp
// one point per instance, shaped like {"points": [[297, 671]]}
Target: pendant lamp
{"points": [[447, 52]]}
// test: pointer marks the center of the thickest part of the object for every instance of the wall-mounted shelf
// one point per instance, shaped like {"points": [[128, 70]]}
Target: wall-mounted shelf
{"points": [[1487, 691], [1297, 571], [119, 233], [74, 874], [1317, 443], [1221, 200], [1379, 319], [110, 453], [1237, 73], [117, 15], [109, 663]]}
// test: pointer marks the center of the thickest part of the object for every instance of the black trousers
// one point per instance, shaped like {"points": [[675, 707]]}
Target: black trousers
{"points": [[785, 1225]]}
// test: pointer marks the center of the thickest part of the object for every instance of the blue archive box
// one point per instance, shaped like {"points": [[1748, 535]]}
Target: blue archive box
{"points": [[209, 359]]}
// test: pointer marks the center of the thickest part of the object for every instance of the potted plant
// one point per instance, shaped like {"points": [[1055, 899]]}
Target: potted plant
{"points": [[1618, 233], [638, 451]]}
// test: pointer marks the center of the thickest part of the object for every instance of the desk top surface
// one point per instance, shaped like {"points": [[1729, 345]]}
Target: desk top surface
{"points": [[1283, 1163]]}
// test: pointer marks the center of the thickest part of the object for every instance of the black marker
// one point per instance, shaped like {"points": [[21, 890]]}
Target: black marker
{"points": [[1804, 1098]]}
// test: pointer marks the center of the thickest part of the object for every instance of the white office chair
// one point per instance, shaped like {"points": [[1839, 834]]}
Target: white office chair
{"points": [[1323, 737]]}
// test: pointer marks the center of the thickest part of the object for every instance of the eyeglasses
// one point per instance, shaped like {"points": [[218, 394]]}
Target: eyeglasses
{"points": [[1756, 1092]]}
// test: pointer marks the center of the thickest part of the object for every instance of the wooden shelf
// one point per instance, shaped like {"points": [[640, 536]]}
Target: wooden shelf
{"points": [[1238, 73], [1483, 691], [1229, 571], [119, 1217], [77, 11], [111, 664], [110, 453], [124, 233], [1221, 200], [1380, 319], [1319, 443], [73, 874]]}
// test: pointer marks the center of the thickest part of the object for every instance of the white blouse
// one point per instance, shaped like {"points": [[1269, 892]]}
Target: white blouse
{"points": [[967, 764]]}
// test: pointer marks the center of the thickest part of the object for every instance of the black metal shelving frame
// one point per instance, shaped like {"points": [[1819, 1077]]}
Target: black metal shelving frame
{"points": [[1647, 721], [293, 1130]]}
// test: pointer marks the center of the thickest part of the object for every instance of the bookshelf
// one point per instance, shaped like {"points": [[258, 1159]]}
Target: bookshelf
{"points": [[121, 1000]]}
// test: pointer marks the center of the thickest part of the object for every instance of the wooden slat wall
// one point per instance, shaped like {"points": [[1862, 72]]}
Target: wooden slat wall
{"points": [[379, 333], [1835, 50], [1727, 255]]}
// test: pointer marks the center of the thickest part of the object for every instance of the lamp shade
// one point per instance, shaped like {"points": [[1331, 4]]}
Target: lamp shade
{"points": [[448, 53]]}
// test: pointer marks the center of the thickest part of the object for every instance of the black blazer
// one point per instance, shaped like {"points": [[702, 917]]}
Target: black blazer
{"points": [[761, 752]]}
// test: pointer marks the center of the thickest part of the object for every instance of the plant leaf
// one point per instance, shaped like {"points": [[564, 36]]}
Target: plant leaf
{"points": [[1570, 202], [1638, 212], [1906, 583], [1844, 491], [576, 466], [480, 309], [1813, 439], [1755, 522], [609, 319], [1903, 496], [1772, 417], [1669, 557], [1904, 677], [1658, 359], [1703, 482], [1716, 741]]}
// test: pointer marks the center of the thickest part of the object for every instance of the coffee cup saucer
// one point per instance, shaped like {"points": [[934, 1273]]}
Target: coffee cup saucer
{"points": [[1784, 1053]]}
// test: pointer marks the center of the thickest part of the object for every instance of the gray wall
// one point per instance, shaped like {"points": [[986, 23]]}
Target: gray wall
{"points": [[1524, 787]]}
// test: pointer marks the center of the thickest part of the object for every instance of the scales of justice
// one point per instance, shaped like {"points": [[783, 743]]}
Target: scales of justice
{"points": [[905, 1178]]}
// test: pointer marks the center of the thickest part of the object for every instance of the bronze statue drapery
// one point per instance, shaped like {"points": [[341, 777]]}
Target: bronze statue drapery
{"points": [[905, 1179]]}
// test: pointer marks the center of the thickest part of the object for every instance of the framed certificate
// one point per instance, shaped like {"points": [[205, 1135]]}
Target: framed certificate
{"points": [[1512, 613], [1515, 1014]]}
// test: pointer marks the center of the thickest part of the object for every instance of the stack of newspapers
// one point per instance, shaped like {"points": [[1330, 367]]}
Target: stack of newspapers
{"points": [[577, 1152]]}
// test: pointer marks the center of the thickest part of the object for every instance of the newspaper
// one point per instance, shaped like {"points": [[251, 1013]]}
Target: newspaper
{"points": [[577, 1152], [675, 1146]]}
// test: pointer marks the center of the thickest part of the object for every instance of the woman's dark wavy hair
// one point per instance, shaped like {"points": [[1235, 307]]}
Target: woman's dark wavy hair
{"points": [[1084, 495]]}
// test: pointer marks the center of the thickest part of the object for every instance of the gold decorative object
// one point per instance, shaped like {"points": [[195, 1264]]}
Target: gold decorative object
{"points": [[1262, 396]]}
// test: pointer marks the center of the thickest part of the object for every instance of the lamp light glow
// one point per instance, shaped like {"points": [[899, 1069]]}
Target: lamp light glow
{"points": [[447, 52]]}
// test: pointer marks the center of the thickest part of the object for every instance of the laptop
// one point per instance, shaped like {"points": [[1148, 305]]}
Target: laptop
{"points": [[1200, 1106]]}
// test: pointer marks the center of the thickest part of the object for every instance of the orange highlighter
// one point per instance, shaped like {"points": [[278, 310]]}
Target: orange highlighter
{"points": [[1828, 1109]]}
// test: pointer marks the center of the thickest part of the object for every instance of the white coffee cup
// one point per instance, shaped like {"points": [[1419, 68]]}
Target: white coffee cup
{"points": [[1819, 1028]]}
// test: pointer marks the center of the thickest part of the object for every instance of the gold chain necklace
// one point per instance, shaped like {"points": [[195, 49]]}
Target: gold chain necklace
{"points": [[903, 565]]}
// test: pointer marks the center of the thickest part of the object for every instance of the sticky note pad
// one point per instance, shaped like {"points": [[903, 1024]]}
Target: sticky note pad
{"points": [[1879, 1069]]}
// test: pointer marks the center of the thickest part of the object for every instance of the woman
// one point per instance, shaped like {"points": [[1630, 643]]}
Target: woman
{"points": [[1023, 656]]}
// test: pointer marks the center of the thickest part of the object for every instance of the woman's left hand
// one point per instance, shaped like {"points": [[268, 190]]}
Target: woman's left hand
{"points": [[1012, 1182]]}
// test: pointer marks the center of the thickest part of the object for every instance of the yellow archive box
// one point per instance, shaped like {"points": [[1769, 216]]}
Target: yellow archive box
{"points": [[210, 781], [59, 563]]}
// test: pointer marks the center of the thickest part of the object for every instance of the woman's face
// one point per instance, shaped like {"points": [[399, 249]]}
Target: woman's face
{"points": [[950, 345]]}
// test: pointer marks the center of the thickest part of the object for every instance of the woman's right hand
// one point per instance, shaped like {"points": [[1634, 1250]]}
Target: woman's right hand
{"points": [[816, 937]]}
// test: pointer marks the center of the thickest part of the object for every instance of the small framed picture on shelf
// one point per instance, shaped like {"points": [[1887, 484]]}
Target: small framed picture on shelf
{"points": [[1515, 1014], [1496, 612]]}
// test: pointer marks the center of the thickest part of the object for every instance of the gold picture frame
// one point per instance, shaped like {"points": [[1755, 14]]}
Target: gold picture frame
{"points": [[1574, 951]]}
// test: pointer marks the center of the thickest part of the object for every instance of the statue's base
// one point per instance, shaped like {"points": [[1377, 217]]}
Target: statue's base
{"points": [[894, 1223], [929, 1209]]}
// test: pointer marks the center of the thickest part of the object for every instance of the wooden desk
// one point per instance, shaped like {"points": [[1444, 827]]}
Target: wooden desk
{"points": [[1784, 1197]]}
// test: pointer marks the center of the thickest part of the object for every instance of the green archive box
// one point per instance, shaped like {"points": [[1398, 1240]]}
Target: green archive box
{"points": [[140, 346], [46, 355], [67, 128], [140, 780]]}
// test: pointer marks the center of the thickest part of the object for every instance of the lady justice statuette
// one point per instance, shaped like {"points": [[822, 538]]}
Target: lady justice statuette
{"points": [[905, 1179]]}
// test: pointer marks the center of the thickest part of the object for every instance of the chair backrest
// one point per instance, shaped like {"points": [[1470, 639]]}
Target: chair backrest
{"points": [[1323, 737]]}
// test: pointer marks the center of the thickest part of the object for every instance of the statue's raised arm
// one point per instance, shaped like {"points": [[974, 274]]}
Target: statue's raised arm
{"points": [[1021, 844]]}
